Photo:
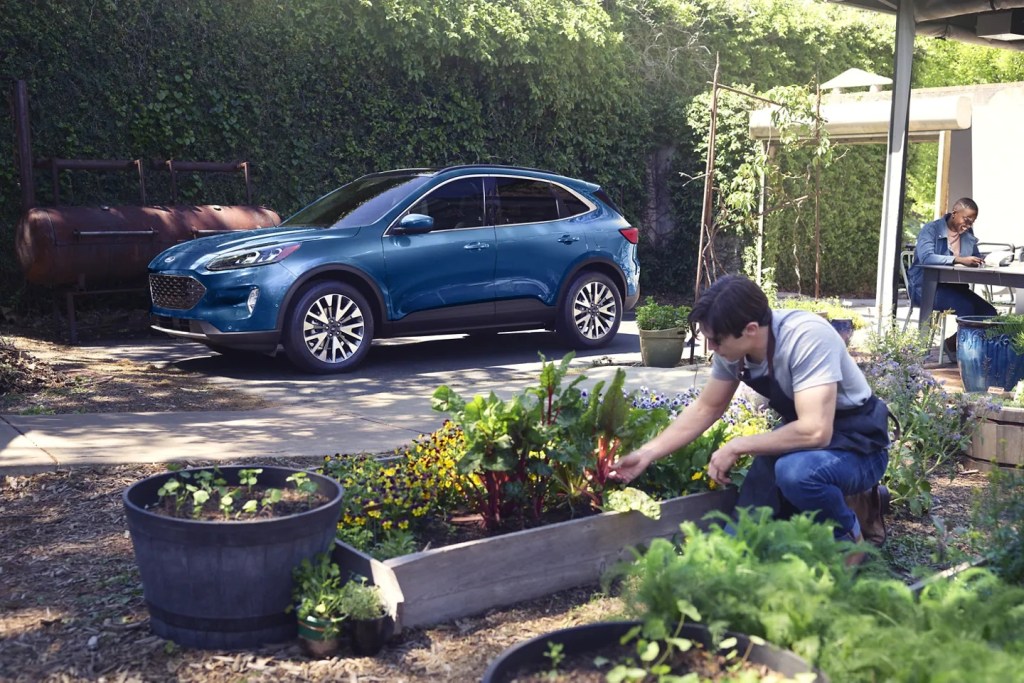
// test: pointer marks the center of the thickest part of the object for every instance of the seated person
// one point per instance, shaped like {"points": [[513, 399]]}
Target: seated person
{"points": [[944, 242]]}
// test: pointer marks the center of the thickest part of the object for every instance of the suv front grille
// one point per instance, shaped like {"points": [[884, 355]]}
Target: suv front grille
{"points": [[178, 292]]}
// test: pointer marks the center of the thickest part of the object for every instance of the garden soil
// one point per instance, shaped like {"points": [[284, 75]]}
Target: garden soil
{"points": [[71, 604]]}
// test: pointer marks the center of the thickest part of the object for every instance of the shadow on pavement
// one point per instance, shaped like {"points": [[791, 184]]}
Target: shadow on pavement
{"points": [[401, 357]]}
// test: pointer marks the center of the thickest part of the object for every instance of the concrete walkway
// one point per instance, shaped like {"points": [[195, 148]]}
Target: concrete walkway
{"points": [[379, 407], [375, 409]]}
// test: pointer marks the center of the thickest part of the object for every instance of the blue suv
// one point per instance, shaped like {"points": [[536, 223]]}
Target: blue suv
{"points": [[417, 251]]}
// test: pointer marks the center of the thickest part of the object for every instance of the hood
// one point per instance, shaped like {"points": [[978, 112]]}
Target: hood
{"points": [[194, 253]]}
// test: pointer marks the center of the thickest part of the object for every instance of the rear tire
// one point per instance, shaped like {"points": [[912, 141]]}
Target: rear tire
{"points": [[591, 311], [329, 329]]}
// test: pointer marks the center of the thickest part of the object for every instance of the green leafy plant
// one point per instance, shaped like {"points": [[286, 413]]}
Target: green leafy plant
{"points": [[318, 594], [786, 581], [550, 448], [936, 425], [831, 307], [997, 531], [506, 458], [206, 494], [361, 601], [1011, 325], [654, 316]]}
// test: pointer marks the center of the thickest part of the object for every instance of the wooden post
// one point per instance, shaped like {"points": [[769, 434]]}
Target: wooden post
{"points": [[705, 220]]}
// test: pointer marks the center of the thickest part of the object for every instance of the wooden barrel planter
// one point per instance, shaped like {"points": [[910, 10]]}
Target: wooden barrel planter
{"points": [[601, 639], [999, 440], [454, 581], [225, 584]]}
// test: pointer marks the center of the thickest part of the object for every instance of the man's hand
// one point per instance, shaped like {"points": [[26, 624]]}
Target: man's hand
{"points": [[629, 467], [721, 462], [970, 261]]}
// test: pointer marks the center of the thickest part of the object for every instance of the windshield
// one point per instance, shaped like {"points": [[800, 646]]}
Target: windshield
{"points": [[361, 202]]}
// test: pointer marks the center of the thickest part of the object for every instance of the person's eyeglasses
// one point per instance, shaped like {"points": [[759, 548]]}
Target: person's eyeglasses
{"points": [[966, 220]]}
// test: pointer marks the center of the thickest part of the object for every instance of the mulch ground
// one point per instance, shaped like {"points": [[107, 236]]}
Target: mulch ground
{"points": [[71, 604]]}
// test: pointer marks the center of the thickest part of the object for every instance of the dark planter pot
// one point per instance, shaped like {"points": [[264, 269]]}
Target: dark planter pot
{"points": [[225, 585], [986, 361], [370, 635], [662, 348], [529, 657]]}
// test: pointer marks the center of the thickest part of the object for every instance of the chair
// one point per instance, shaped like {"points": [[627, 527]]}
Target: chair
{"points": [[907, 260]]}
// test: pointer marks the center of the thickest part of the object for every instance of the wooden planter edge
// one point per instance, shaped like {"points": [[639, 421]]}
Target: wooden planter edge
{"points": [[454, 581]]}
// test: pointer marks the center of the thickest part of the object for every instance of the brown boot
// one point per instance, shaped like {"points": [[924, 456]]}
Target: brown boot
{"points": [[950, 346], [855, 559]]}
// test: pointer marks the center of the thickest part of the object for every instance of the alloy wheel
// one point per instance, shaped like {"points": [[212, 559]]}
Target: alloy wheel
{"points": [[333, 328], [594, 310]]}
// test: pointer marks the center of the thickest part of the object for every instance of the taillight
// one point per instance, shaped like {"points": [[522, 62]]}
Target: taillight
{"points": [[631, 234]]}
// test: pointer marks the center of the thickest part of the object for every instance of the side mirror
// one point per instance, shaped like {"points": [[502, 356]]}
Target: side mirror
{"points": [[415, 223]]}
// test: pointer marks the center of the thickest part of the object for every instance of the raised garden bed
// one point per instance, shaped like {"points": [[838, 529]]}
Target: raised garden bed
{"points": [[999, 440], [454, 581]]}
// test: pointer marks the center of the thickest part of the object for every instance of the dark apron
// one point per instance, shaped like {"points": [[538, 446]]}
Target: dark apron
{"points": [[863, 429]]}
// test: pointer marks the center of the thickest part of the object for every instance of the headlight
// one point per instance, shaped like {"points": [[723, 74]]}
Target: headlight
{"points": [[252, 257]]}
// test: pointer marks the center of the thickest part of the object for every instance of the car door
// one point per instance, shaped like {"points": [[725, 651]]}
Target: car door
{"points": [[447, 272], [538, 240]]}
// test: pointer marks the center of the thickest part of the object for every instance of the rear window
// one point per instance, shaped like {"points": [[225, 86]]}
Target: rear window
{"points": [[603, 196], [361, 202], [523, 200]]}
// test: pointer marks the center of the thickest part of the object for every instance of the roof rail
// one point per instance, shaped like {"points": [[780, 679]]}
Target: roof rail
{"points": [[504, 166]]}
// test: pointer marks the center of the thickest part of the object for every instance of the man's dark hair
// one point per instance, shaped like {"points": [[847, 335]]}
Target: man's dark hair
{"points": [[727, 306], [965, 203]]}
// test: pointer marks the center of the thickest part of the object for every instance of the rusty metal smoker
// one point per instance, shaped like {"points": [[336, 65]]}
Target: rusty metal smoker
{"points": [[103, 249]]}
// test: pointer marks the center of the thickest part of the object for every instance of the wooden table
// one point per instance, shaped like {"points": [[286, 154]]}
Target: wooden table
{"points": [[1007, 276]]}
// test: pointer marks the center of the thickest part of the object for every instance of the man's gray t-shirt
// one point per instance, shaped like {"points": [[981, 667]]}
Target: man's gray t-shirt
{"points": [[808, 353]]}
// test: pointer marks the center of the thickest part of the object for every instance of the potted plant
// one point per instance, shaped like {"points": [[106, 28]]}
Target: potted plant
{"points": [[318, 595], [842, 318], [614, 647], [216, 548], [370, 625], [990, 351], [662, 330]]}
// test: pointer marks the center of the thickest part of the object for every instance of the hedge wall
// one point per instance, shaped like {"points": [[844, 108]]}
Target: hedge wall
{"points": [[316, 92]]}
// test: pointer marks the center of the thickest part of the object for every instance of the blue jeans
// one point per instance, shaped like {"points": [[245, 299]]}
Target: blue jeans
{"points": [[957, 298], [819, 480]]}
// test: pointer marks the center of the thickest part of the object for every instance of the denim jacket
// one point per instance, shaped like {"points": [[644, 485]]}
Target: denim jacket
{"points": [[933, 249]]}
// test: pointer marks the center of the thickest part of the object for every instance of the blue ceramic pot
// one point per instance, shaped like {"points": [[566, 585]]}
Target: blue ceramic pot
{"points": [[986, 358]]}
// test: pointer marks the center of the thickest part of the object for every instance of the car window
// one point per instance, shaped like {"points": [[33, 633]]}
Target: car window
{"points": [[361, 202], [522, 200], [455, 205], [569, 205]]}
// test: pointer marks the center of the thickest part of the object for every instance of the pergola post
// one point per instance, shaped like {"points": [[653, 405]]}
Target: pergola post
{"points": [[891, 234]]}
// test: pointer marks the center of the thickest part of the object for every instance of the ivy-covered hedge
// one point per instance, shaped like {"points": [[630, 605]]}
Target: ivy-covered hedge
{"points": [[316, 92]]}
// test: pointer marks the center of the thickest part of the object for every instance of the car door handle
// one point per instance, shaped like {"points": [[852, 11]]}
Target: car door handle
{"points": [[568, 239], [476, 246]]}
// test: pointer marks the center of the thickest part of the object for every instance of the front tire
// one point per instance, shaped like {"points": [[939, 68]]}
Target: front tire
{"points": [[591, 311], [330, 329]]}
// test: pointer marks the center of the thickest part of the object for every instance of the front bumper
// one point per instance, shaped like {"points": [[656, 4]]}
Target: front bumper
{"points": [[206, 333]]}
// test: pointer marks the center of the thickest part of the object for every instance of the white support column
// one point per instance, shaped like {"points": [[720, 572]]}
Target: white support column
{"points": [[896, 163]]}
